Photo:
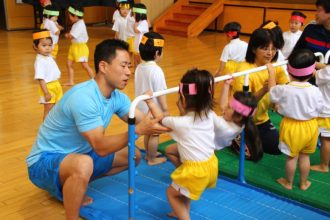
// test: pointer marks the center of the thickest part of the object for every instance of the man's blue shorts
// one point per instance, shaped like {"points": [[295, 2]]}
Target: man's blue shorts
{"points": [[45, 172]]}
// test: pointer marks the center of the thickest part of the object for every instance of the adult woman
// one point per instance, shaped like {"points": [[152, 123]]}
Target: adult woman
{"points": [[261, 51]]}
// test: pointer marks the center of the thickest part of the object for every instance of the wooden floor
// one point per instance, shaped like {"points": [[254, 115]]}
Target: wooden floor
{"points": [[21, 115]]}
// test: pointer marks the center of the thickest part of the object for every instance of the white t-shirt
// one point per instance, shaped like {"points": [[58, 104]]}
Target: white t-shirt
{"points": [[297, 100], [290, 40], [46, 68], [235, 50], [194, 136], [51, 26], [79, 32], [116, 15], [130, 26], [323, 82], [225, 132], [120, 26], [148, 76], [143, 28]]}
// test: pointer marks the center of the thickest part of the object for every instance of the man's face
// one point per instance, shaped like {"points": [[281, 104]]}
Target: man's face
{"points": [[117, 72], [321, 16]]}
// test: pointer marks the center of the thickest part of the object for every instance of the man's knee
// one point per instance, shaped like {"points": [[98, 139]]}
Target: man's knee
{"points": [[77, 165]]}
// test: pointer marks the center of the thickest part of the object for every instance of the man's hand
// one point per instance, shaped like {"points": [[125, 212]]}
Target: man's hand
{"points": [[151, 126]]}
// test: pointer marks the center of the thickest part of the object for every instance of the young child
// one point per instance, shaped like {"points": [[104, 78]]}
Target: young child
{"points": [[292, 36], [194, 133], [149, 76], [120, 24], [50, 14], [323, 82], [235, 50], [46, 71], [238, 115], [141, 27], [116, 13], [300, 103], [78, 51]]}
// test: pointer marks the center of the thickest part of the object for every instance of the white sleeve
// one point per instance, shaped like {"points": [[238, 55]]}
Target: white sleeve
{"points": [[225, 54], [276, 93], [40, 70], [115, 26], [170, 122], [75, 30], [159, 82], [143, 27], [323, 76], [52, 27]]}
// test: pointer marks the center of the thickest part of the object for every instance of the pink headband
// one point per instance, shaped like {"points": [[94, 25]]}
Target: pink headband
{"points": [[241, 108], [191, 86], [298, 18], [231, 33], [302, 71]]}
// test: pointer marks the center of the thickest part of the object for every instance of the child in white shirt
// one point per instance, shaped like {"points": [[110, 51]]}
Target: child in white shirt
{"points": [[78, 51], [235, 50], [292, 36], [46, 71]]}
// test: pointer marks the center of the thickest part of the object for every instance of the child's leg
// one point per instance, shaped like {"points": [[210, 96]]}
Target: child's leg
{"points": [[290, 168], [88, 69], [324, 155], [69, 65], [47, 108], [304, 166], [152, 151], [179, 203], [172, 154]]}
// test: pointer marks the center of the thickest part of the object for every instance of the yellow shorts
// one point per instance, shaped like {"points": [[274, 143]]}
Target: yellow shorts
{"points": [[78, 52], [192, 178], [55, 51], [324, 126], [130, 42], [55, 90], [230, 67], [298, 136]]}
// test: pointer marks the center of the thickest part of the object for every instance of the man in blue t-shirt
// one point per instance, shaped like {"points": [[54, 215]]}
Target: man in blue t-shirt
{"points": [[71, 148]]}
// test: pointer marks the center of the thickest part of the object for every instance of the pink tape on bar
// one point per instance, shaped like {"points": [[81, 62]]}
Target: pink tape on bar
{"points": [[301, 72], [231, 33], [191, 86], [298, 18], [241, 108]]}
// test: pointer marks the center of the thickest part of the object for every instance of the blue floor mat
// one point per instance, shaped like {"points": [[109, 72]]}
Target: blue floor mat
{"points": [[228, 200]]}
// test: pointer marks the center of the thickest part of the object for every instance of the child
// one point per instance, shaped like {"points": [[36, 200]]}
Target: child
{"points": [[116, 13], [140, 28], [50, 14], [238, 115], [78, 51], [120, 24], [323, 82], [235, 50], [46, 71], [292, 36], [300, 103], [194, 133], [149, 76]]}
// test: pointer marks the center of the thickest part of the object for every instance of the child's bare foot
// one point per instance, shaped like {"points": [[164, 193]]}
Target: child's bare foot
{"points": [[320, 168], [68, 84], [172, 215], [306, 185], [87, 200], [157, 160], [284, 183]]}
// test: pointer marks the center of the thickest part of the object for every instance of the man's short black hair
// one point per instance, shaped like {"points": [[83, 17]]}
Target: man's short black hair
{"points": [[148, 50]]}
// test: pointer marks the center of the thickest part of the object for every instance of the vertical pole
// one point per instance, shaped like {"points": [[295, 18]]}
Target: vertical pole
{"points": [[131, 168]]}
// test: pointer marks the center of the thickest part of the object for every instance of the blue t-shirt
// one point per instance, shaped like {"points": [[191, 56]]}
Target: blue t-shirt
{"points": [[81, 109]]}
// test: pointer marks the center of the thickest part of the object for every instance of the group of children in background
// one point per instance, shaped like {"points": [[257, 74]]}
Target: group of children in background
{"points": [[198, 131]]}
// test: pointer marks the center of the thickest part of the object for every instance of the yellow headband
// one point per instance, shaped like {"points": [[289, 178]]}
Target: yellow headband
{"points": [[157, 42], [270, 25], [124, 5], [40, 35]]}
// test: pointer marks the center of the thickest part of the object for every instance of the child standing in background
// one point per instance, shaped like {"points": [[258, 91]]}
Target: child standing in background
{"points": [[78, 51], [50, 14], [235, 50], [46, 71], [140, 28], [292, 36], [300, 103], [323, 82], [120, 25], [150, 77], [194, 133]]}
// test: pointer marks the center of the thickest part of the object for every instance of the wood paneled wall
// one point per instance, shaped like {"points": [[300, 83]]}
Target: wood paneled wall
{"points": [[18, 16]]}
